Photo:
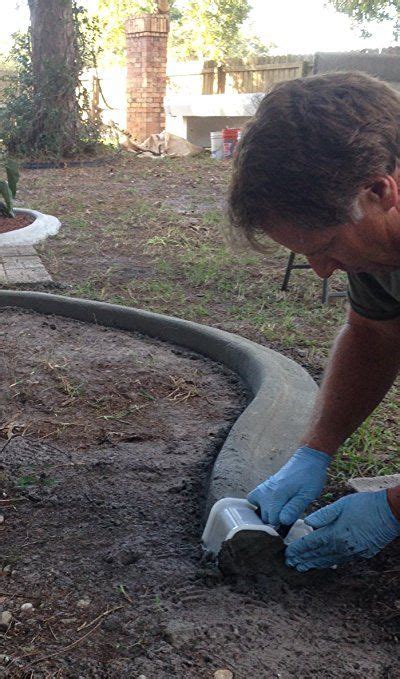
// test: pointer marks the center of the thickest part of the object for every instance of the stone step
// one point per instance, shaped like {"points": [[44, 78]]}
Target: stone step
{"points": [[22, 264]]}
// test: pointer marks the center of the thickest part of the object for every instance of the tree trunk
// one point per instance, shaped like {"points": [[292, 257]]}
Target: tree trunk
{"points": [[55, 74]]}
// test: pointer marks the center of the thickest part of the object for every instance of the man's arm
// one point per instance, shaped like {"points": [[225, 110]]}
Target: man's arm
{"points": [[363, 365]]}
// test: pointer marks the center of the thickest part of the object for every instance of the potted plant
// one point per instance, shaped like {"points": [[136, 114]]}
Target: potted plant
{"points": [[20, 226]]}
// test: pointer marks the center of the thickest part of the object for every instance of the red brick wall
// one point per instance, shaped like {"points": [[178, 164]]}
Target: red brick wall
{"points": [[146, 41]]}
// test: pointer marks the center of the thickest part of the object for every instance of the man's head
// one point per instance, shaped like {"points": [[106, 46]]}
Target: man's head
{"points": [[317, 166]]}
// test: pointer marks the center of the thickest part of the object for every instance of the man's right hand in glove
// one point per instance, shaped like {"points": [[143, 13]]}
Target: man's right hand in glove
{"points": [[283, 497]]}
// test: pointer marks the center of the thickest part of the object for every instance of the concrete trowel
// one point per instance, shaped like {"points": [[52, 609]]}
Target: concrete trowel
{"points": [[236, 537]]}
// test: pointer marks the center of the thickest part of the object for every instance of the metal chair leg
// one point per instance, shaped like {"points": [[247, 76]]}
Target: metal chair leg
{"points": [[325, 291], [289, 268], [326, 295]]}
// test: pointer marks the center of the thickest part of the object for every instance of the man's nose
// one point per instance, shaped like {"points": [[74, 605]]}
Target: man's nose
{"points": [[323, 266]]}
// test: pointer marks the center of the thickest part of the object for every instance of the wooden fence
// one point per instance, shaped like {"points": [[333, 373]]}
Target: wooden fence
{"points": [[236, 76]]}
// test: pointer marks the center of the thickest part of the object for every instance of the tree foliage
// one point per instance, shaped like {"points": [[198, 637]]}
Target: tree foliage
{"points": [[200, 29], [364, 11], [210, 30], [112, 16]]}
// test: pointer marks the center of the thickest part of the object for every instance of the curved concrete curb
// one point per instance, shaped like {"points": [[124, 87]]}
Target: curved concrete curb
{"points": [[265, 434], [41, 228]]}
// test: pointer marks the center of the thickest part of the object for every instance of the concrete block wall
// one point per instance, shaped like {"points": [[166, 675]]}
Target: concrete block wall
{"points": [[146, 42]]}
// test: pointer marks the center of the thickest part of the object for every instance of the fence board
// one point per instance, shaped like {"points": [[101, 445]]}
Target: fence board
{"points": [[255, 74]]}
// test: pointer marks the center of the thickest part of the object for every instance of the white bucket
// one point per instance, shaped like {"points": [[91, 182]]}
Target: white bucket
{"points": [[217, 145]]}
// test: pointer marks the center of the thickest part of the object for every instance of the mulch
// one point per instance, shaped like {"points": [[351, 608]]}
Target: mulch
{"points": [[14, 223]]}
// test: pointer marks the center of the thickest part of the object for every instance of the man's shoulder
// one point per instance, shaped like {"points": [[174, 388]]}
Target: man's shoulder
{"points": [[375, 296]]}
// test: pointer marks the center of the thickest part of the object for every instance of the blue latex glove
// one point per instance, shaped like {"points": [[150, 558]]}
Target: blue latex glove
{"points": [[283, 497], [357, 525]]}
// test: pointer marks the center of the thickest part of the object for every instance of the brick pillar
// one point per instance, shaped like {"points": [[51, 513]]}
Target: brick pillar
{"points": [[146, 42]]}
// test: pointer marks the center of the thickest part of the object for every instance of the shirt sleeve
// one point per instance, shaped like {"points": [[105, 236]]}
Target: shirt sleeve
{"points": [[374, 298]]}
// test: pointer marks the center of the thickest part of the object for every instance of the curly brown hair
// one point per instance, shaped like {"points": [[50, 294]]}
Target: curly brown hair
{"points": [[312, 145]]}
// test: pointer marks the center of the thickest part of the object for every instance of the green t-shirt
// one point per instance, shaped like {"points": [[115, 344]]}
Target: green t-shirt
{"points": [[375, 296]]}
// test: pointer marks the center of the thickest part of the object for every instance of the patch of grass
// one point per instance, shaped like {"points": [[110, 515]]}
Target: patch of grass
{"points": [[89, 289], [164, 267], [77, 222], [371, 451], [28, 480], [142, 208], [213, 217], [165, 291], [218, 268], [157, 241], [173, 238], [196, 312]]}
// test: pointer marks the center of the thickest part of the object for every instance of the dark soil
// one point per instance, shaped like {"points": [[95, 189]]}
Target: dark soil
{"points": [[111, 438], [14, 223]]}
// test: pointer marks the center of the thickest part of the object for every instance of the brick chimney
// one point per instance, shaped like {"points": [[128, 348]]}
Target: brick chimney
{"points": [[146, 42]]}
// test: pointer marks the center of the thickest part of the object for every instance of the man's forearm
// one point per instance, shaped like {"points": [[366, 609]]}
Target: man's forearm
{"points": [[362, 367]]}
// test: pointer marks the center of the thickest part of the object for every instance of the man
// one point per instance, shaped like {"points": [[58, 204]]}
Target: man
{"points": [[318, 171]]}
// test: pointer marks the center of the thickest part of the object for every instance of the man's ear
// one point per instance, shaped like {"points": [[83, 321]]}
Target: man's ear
{"points": [[384, 191]]}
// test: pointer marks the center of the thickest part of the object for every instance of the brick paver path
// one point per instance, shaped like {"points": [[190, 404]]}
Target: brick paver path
{"points": [[22, 264]]}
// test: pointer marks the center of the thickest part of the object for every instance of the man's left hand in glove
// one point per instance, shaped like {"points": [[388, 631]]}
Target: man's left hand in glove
{"points": [[356, 526]]}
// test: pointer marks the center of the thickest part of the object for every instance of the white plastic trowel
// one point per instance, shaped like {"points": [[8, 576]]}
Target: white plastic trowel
{"points": [[238, 539]]}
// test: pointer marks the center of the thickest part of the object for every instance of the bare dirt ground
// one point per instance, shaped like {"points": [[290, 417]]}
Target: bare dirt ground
{"points": [[108, 443]]}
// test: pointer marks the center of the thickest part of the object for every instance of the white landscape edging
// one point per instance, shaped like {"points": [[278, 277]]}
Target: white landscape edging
{"points": [[41, 228]]}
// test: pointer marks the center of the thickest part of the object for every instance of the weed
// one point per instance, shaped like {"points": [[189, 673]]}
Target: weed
{"points": [[28, 480], [157, 241], [146, 394]]}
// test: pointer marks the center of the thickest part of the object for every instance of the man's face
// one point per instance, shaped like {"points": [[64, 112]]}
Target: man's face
{"points": [[370, 245]]}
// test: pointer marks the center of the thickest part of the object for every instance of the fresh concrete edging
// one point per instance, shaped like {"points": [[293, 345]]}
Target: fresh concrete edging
{"points": [[265, 434], [42, 227]]}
